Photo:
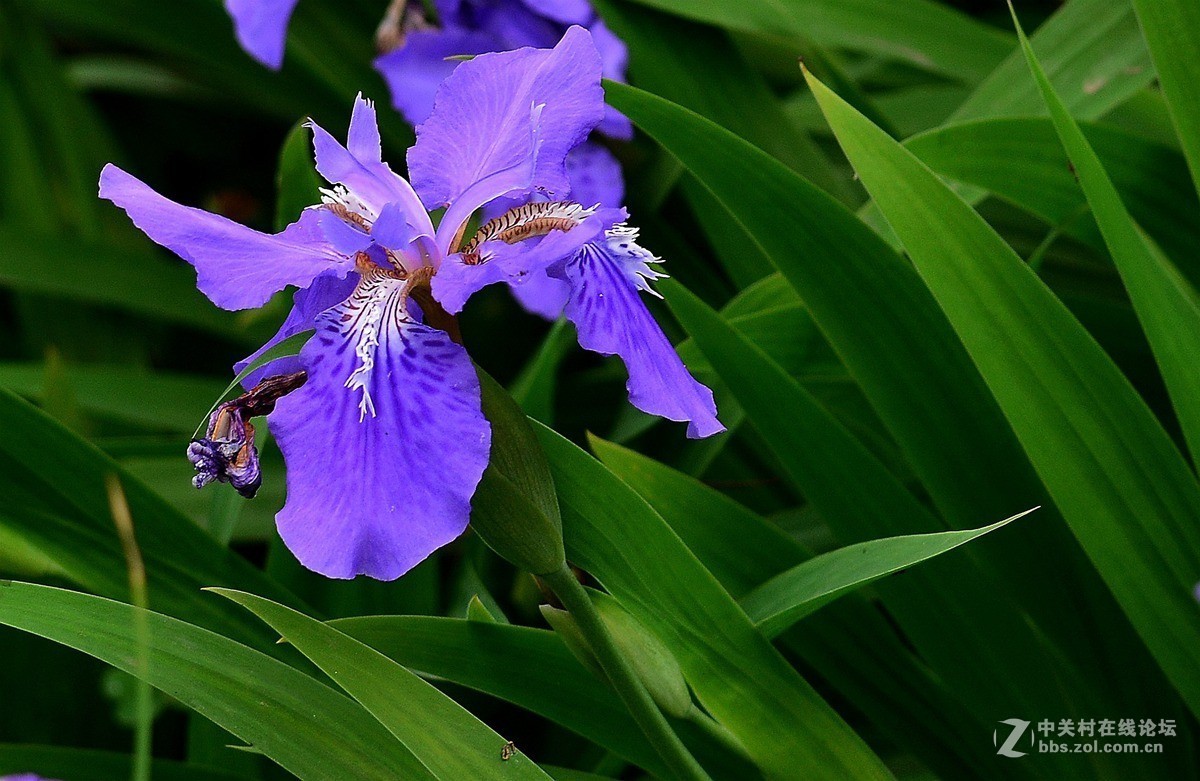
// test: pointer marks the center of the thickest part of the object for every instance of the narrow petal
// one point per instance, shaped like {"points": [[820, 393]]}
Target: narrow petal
{"points": [[606, 307], [596, 176], [517, 113], [384, 444], [360, 168], [236, 267], [415, 70], [261, 27], [326, 290]]}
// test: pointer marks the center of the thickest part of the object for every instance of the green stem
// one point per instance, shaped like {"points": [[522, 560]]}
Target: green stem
{"points": [[622, 676]]}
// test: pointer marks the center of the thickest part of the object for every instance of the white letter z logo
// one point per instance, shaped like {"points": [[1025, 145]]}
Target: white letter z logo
{"points": [[1018, 729]]}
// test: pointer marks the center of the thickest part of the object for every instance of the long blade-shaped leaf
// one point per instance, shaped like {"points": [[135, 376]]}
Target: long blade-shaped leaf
{"points": [[925, 33], [1172, 32], [1124, 489], [447, 739], [739, 678], [302, 724], [796, 593], [1165, 303]]}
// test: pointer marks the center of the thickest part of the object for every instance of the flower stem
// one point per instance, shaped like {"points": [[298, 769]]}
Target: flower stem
{"points": [[623, 678]]}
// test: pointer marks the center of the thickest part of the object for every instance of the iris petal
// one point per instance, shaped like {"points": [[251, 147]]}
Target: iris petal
{"points": [[326, 290], [488, 110], [606, 278], [385, 442], [236, 267], [261, 27]]}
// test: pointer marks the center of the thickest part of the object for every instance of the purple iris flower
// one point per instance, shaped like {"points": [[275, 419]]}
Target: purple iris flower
{"points": [[379, 416], [419, 55], [24, 777]]}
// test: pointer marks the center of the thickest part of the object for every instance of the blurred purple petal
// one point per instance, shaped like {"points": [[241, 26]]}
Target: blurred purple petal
{"points": [[360, 168], [325, 291], [564, 11], [606, 307], [415, 70], [595, 176], [261, 27], [236, 267], [488, 115], [384, 444]]}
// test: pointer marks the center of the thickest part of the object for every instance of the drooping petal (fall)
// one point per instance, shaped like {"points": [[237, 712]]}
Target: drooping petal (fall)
{"points": [[384, 444], [605, 305], [326, 290], [261, 27], [504, 123], [237, 267]]}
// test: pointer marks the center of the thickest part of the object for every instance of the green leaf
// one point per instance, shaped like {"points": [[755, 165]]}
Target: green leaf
{"points": [[790, 596], [1172, 32], [536, 385], [1166, 304], [1120, 483], [530, 668], [514, 509], [851, 644], [305, 726], [73, 764], [56, 502], [741, 681], [896, 343], [926, 34], [157, 400], [1022, 160], [859, 499], [448, 740], [1093, 52]]}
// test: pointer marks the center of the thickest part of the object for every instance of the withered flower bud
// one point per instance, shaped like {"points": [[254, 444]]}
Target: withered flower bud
{"points": [[226, 453]]}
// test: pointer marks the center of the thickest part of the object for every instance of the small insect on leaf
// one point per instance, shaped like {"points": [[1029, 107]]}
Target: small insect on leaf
{"points": [[509, 751]]}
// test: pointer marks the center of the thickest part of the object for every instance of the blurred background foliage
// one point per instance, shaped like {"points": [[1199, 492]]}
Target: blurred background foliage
{"points": [[108, 336]]}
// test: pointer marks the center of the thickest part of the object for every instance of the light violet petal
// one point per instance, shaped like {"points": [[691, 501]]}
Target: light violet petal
{"points": [[347, 239], [261, 27], [236, 267], [385, 442], [326, 290], [360, 168], [489, 110], [606, 307]]}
